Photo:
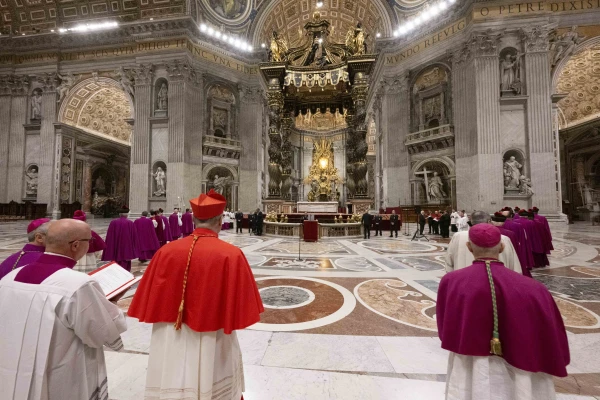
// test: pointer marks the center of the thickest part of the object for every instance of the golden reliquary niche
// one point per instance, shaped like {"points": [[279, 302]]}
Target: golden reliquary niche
{"points": [[323, 176], [321, 121]]}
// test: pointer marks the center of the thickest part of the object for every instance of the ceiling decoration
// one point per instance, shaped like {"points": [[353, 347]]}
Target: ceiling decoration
{"points": [[36, 16], [228, 11], [287, 17], [99, 107], [580, 80]]}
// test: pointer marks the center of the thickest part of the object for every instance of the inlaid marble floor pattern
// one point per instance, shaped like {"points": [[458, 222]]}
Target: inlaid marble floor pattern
{"points": [[355, 319]]}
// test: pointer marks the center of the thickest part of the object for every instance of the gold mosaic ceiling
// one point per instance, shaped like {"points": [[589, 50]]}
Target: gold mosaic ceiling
{"points": [[580, 80], [33, 16]]}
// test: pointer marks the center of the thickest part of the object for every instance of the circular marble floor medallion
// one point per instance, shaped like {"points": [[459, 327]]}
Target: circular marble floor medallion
{"points": [[345, 310], [284, 297]]}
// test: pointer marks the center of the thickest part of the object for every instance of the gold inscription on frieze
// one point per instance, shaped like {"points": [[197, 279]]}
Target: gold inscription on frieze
{"points": [[129, 50], [535, 7], [427, 42]]}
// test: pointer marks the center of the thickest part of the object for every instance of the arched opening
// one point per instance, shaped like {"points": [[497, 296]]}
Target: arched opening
{"points": [[224, 180], [433, 182]]}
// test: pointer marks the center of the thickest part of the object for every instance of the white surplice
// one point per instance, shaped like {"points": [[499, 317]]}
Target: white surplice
{"points": [[492, 378], [51, 338], [458, 255], [186, 364], [87, 263]]}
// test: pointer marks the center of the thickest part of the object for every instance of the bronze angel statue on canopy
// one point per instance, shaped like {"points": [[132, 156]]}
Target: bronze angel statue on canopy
{"points": [[355, 40], [279, 48]]}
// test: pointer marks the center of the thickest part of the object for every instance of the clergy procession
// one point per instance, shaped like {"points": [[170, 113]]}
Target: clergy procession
{"points": [[502, 329]]}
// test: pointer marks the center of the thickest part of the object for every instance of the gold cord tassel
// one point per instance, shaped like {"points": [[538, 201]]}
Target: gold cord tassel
{"points": [[179, 320], [496, 347]]}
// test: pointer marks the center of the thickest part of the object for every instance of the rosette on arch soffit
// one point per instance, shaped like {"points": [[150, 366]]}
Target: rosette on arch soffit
{"points": [[288, 18]]}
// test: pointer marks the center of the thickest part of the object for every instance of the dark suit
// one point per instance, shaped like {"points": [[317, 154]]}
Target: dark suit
{"points": [[252, 223], [445, 225], [259, 223], [377, 222], [394, 224], [239, 217], [422, 221], [366, 221]]}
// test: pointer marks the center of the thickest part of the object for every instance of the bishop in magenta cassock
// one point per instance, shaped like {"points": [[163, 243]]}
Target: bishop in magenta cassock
{"points": [[504, 332], [159, 226], [147, 239], [36, 235], [121, 241], [498, 220], [55, 322], [168, 234], [187, 223], [87, 263], [194, 348], [175, 224]]}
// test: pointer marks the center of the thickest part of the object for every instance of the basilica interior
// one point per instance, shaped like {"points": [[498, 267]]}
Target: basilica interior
{"points": [[328, 107]]}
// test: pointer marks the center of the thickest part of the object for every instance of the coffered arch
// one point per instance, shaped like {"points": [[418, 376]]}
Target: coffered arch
{"points": [[99, 106]]}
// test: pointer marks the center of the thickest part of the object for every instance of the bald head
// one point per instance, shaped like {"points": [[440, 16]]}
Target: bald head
{"points": [[68, 237]]}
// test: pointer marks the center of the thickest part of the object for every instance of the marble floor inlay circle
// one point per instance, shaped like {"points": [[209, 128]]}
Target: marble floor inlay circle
{"points": [[285, 297], [349, 303]]}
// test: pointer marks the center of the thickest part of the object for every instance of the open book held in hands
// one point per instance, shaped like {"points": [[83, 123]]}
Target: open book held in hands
{"points": [[114, 279]]}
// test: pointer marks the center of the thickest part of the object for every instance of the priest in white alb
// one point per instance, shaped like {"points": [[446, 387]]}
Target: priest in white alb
{"points": [[458, 255], [54, 322], [197, 291]]}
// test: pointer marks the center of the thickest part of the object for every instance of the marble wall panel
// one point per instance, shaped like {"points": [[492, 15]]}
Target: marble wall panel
{"points": [[32, 149], [513, 128], [160, 139]]}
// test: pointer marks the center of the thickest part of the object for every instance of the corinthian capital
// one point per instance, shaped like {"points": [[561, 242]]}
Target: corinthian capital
{"points": [[49, 81], [251, 94], [535, 39], [485, 44], [395, 84], [143, 74], [18, 84]]}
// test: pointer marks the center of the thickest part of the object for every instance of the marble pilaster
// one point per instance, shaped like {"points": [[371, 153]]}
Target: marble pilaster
{"points": [[5, 112], [395, 125], [251, 118], [44, 194], [87, 186], [16, 155], [140, 146], [175, 160], [195, 115], [539, 119]]}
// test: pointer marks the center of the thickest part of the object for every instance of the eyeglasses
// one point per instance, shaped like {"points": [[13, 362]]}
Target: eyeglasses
{"points": [[82, 240]]}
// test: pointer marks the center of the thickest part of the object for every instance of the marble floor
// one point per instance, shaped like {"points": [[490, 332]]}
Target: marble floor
{"points": [[355, 319]]}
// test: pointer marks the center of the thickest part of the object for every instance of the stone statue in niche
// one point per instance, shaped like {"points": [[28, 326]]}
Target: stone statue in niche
{"points": [[36, 104], [66, 81], [436, 187], [221, 183], [564, 45], [162, 100], [525, 186], [31, 177], [512, 173], [160, 176], [510, 73], [100, 185]]}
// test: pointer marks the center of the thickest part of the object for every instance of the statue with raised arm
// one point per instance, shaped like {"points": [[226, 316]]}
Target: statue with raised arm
{"points": [[125, 81], [512, 173], [564, 45], [279, 48], [510, 71], [66, 81], [436, 187], [219, 184]]}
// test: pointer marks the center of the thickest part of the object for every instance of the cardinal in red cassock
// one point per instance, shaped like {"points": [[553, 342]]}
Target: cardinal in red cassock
{"points": [[197, 292]]}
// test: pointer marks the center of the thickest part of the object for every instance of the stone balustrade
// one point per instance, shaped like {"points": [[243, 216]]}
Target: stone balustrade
{"points": [[430, 139], [221, 147]]}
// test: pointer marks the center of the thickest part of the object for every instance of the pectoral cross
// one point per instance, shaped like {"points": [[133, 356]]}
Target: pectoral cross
{"points": [[424, 173]]}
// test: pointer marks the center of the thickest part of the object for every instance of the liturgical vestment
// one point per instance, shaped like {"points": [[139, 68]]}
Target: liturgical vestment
{"points": [[458, 255], [53, 330], [202, 360]]}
